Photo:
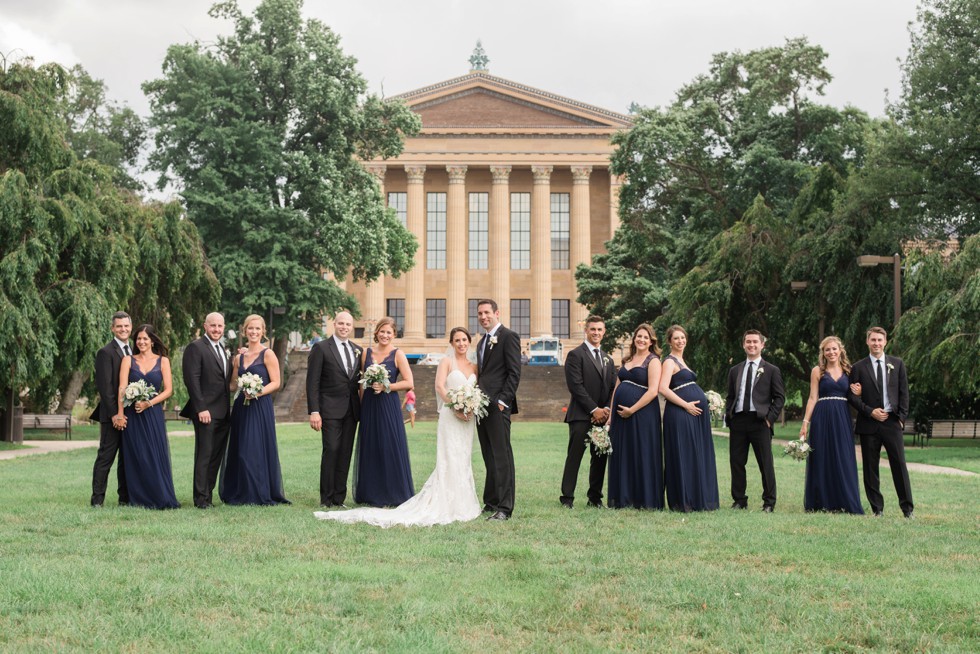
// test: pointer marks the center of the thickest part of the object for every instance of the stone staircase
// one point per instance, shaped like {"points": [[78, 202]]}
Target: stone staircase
{"points": [[541, 396]]}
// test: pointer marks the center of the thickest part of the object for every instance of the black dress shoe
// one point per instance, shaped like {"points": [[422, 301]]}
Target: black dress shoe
{"points": [[487, 508], [96, 505], [499, 515], [738, 506], [566, 505], [909, 516], [597, 505], [205, 505], [877, 514], [767, 509]]}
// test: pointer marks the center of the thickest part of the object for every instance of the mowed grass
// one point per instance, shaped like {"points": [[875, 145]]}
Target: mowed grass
{"points": [[552, 580]]}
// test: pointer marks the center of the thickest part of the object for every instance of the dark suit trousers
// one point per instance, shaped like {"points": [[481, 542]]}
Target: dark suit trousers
{"points": [[577, 433], [210, 441], [494, 432], [338, 446], [110, 440], [749, 429], [890, 436]]}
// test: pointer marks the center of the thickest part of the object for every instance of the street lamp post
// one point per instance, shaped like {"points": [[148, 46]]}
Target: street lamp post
{"points": [[870, 260], [274, 311], [798, 287]]}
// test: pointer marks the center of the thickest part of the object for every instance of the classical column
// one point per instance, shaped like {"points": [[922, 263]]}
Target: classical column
{"points": [[415, 278], [499, 238], [541, 251], [581, 245], [456, 250], [374, 296], [615, 184]]}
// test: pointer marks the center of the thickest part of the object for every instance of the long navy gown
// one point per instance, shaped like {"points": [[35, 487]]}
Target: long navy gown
{"points": [[636, 463], [831, 469], [689, 452], [250, 472], [382, 471], [146, 450]]}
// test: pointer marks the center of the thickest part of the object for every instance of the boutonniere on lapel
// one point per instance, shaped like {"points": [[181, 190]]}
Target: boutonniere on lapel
{"points": [[606, 361], [890, 366], [758, 373], [493, 341], [357, 352]]}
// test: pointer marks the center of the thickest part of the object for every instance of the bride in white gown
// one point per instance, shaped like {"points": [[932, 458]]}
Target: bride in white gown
{"points": [[450, 493]]}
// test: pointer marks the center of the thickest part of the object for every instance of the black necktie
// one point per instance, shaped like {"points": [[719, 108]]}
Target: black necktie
{"points": [[350, 358], [747, 396], [598, 357], [483, 347], [880, 379], [126, 350], [221, 358]]}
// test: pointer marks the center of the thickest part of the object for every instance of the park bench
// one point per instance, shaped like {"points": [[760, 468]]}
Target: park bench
{"points": [[952, 429], [48, 421]]}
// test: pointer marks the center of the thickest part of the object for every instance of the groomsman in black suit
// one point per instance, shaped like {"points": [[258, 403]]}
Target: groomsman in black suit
{"points": [[206, 370], [755, 398], [107, 363], [591, 378], [499, 374], [334, 406], [882, 403]]}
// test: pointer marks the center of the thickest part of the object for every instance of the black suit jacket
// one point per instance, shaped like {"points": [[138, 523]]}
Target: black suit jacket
{"points": [[329, 389], [500, 373], [768, 393], [897, 382], [107, 363], [591, 385], [205, 380]]}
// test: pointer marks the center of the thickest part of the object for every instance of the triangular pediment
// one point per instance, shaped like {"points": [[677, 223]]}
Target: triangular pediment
{"points": [[480, 100]]}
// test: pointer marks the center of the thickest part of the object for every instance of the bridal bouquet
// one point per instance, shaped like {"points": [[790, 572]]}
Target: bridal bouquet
{"points": [[468, 399], [599, 439], [375, 373], [799, 450], [716, 406], [138, 391], [250, 384]]}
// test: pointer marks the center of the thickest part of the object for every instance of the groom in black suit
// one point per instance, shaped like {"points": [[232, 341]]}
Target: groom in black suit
{"points": [[334, 406], [107, 363], [755, 398], [499, 373], [882, 408], [206, 370], [591, 378]]}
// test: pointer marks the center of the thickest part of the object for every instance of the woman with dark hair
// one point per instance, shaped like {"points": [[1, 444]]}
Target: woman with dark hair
{"points": [[250, 472], [382, 470], [636, 462], [146, 450], [831, 469], [689, 451], [449, 495]]}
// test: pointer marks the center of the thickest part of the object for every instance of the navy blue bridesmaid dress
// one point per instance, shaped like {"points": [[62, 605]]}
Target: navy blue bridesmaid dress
{"points": [[689, 451], [831, 469], [146, 450], [636, 463], [382, 471], [250, 472]]}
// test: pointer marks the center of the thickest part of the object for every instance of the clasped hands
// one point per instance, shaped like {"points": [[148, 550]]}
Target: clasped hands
{"points": [[601, 415], [119, 421], [878, 414]]}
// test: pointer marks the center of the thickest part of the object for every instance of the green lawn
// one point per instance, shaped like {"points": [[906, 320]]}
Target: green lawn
{"points": [[276, 579]]}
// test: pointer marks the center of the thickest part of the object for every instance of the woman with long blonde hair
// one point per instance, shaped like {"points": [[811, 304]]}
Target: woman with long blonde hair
{"points": [[831, 469]]}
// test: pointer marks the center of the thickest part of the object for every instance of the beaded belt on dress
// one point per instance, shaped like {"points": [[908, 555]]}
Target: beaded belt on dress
{"points": [[821, 399], [626, 381], [677, 388]]}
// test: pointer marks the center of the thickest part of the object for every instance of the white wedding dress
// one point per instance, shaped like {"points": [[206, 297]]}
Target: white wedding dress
{"points": [[449, 495]]}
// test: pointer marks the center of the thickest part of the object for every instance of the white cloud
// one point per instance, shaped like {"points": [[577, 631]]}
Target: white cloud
{"points": [[17, 42]]}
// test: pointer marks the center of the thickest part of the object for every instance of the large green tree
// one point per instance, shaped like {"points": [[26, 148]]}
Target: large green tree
{"points": [[262, 133]]}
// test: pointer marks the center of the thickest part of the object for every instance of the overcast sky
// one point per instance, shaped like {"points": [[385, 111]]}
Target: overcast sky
{"points": [[604, 52]]}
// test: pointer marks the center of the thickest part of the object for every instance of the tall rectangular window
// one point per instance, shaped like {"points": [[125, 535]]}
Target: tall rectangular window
{"points": [[479, 230], [395, 309], [473, 322], [435, 231], [560, 214], [520, 317], [435, 318], [520, 231], [399, 202], [559, 318]]}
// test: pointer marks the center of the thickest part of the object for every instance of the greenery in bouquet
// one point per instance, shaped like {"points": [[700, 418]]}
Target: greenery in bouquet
{"points": [[138, 391], [251, 385], [376, 373], [468, 399], [799, 449], [598, 437], [716, 406]]}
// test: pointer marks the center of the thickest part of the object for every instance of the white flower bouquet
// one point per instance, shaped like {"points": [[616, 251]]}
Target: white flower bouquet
{"points": [[716, 406], [799, 450], [375, 373], [138, 391], [598, 438], [251, 385], [468, 399]]}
